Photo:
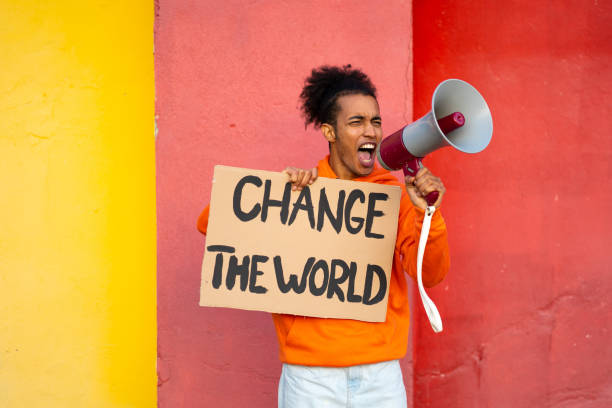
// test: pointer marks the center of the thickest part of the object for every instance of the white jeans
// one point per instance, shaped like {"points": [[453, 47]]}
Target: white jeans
{"points": [[378, 385]]}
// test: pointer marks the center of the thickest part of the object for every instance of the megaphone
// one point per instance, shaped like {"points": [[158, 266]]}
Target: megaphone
{"points": [[459, 118]]}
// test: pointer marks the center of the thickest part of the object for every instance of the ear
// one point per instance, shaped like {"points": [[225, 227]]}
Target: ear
{"points": [[328, 132]]}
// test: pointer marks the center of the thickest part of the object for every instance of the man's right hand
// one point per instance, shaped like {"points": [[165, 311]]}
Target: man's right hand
{"points": [[301, 178]]}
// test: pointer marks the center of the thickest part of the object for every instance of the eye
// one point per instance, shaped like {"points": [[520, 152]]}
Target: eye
{"points": [[377, 122]]}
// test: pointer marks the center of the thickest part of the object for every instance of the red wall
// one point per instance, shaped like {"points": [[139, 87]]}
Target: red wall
{"points": [[526, 305], [228, 75]]}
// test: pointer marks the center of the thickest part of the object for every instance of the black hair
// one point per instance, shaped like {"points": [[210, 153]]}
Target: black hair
{"points": [[323, 88]]}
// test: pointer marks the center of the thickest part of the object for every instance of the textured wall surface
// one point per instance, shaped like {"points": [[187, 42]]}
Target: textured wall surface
{"points": [[77, 200], [228, 75], [527, 302]]}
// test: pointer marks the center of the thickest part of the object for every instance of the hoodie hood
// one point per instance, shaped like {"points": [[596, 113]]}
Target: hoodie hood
{"points": [[378, 175]]}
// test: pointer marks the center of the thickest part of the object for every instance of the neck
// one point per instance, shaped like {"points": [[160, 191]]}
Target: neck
{"points": [[339, 169]]}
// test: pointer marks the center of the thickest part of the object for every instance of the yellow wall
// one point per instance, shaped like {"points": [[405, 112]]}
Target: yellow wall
{"points": [[77, 204]]}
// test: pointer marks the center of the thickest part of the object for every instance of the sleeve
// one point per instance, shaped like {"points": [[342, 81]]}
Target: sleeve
{"points": [[436, 260], [203, 220]]}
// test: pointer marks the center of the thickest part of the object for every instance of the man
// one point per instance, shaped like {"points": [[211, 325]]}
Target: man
{"points": [[339, 362]]}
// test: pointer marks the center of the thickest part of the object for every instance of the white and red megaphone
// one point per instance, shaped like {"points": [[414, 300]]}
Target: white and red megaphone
{"points": [[459, 117]]}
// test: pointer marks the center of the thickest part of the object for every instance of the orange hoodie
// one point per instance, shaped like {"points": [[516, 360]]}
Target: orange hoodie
{"points": [[316, 341]]}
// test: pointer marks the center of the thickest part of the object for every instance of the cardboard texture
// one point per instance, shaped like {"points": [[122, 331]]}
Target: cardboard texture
{"points": [[325, 251]]}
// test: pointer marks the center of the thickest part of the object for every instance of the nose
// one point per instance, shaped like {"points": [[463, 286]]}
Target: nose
{"points": [[369, 130]]}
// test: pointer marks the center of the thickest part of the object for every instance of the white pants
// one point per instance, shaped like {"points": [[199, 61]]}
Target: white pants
{"points": [[378, 385]]}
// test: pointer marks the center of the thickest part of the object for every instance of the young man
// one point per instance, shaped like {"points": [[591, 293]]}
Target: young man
{"points": [[338, 362]]}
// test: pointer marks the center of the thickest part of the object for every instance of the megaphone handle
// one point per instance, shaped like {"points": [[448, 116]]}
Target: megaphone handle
{"points": [[431, 198], [411, 168]]}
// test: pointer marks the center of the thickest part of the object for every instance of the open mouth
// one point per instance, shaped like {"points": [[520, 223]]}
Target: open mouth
{"points": [[365, 153]]}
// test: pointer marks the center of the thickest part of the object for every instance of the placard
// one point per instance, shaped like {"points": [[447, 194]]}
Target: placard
{"points": [[325, 251]]}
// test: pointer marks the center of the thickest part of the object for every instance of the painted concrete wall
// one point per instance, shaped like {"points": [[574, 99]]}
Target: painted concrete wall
{"points": [[527, 302], [228, 75], [77, 219]]}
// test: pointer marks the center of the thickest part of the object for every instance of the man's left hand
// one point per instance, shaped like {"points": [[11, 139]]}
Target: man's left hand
{"points": [[424, 183]]}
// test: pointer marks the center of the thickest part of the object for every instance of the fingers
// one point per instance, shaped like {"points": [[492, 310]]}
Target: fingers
{"points": [[301, 178], [424, 183]]}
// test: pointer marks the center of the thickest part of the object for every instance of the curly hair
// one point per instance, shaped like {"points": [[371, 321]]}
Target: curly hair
{"points": [[323, 88]]}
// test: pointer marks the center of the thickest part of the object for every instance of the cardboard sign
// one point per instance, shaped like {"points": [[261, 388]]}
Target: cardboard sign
{"points": [[325, 251]]}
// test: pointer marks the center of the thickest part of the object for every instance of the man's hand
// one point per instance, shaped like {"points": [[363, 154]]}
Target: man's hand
{"points": [[424, 183], [301, 178]]}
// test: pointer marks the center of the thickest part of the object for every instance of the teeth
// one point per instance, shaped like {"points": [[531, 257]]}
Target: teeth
{"points": [[368, 146]]}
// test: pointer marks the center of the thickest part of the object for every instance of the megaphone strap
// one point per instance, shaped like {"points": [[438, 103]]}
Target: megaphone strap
{"points": [[430, 308]]}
